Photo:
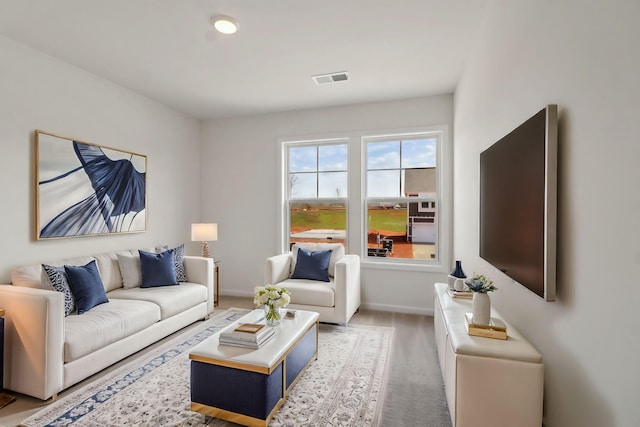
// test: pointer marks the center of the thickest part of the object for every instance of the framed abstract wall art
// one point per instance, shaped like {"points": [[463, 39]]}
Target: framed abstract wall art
{"points": [[85, 189]]}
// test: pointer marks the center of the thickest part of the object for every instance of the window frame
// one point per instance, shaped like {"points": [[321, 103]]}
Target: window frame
{"points": [[285, 217], [356, 201], [442, 200]]}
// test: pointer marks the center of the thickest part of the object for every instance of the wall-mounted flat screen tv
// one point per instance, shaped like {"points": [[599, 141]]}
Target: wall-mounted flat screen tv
{"points": [[518, 203]]}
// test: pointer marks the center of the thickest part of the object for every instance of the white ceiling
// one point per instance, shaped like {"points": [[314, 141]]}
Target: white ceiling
{"points": [[167, 50]]}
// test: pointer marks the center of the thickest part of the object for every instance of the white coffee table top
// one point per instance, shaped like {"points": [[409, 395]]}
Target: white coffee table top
{"points": [[267, 356]]}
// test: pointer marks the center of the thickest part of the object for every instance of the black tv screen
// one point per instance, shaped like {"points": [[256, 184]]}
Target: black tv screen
{"points": [[518, 180]]}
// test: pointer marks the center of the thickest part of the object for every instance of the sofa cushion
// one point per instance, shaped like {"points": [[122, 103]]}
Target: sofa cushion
{"points": [[310, 292], [109, 270], [106, 324], [130, 269], [337, 248], [171, 299], [34, 276], [57, 277], [312, 265], [86, 286], [158, 269]]}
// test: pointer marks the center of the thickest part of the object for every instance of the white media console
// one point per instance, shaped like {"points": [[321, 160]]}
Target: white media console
{"points": [[488, 382]]}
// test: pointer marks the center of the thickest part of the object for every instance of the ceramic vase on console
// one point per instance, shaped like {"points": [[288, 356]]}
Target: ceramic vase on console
{"points": [[457, 273], [272, 314], [481, 308]]}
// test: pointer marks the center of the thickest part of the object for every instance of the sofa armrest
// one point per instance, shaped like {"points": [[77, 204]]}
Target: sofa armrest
{"points": [[34, 340], [277, 268], [347, 282], [200, 270]]}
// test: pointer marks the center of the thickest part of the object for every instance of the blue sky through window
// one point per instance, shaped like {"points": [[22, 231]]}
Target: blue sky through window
{"points": [[302, 159], [318, 171], [386, 159]]}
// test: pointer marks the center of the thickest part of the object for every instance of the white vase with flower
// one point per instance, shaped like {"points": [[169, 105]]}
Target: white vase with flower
{"points": [[481, 286]]}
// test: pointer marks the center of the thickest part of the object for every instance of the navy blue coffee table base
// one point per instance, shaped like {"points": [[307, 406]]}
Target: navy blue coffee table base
{"points": [[247, 394]]}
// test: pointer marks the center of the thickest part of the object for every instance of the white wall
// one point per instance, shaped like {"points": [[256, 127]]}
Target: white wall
{"points": [[583, 56], [39, 92], [241, 178]]}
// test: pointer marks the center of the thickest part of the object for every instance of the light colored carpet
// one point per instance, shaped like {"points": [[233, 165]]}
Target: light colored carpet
{"points": [[344, 387]]}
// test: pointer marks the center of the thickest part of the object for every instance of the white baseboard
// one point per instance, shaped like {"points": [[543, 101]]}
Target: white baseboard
{"points": [[397, 308], [233, 293], [366, 306]]}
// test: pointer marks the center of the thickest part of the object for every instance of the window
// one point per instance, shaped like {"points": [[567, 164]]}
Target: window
{"points": [[402, 197], [393, 191], [316, 193]]}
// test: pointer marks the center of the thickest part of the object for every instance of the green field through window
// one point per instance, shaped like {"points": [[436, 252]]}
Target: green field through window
{"points": [[305, 216]]}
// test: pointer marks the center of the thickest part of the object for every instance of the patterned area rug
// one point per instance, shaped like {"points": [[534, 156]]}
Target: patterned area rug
{"points": [[344, 387]]}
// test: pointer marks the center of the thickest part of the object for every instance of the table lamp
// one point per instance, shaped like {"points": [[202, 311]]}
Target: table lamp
{"points": [[204, 233]]}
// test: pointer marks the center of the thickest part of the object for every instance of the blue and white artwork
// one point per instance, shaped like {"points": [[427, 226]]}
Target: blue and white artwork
{"points": [[87, 189]]}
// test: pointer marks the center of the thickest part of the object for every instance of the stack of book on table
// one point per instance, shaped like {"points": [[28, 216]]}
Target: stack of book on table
{"points": [[250, 335], [495, 329], [460, 294]]}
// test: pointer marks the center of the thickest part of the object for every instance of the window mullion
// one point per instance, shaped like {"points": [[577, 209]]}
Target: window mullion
{"points": [[317, 172]]}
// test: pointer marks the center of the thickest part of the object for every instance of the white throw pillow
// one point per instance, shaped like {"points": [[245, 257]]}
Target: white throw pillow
{"points": [[130, 269], [337, 248]]}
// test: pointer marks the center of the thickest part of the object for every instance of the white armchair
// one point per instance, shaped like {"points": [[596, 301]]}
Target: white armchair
{"points": [[336, 300]]}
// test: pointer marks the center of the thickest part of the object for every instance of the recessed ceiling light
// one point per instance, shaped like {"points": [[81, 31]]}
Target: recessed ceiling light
{"points": [[225, 24]]}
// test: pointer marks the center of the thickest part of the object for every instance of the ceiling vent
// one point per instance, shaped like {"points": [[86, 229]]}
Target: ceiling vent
{"points": [[321, 79]]}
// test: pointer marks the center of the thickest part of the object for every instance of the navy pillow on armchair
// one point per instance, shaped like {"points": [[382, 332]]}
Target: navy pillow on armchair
{"points": [[312, 265], [86, 286], [158, 269]]}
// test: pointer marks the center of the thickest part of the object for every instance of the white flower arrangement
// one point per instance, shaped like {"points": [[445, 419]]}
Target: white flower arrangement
{"points": [[273, 296], [479, 283]]}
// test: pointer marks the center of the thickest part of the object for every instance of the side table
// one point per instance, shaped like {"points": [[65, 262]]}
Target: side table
{"points": [[5, 399], [1, 350], [216, 272]]}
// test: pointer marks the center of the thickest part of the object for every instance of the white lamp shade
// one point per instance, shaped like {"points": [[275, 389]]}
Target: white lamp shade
{"points": [[204, 232]]}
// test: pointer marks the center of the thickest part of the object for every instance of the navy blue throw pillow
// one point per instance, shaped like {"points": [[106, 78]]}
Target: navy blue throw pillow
{"points": [[86, 286], [312, 265], [178, 253], [158, 269]]}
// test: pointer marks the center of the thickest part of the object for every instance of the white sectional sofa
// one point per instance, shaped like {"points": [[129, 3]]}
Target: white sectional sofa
{"points": [[47, 352]]}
